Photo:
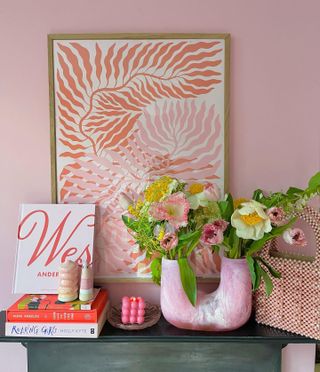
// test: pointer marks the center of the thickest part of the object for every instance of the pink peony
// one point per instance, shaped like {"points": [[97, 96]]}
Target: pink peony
{"points": [[295, 237], [276, 215], [211, 192], [212, 233], [169, 241], [174, 209]]}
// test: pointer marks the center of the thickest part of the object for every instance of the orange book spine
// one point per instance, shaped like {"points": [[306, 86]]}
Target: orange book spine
{"points": [[80, 316], [59, 316]]}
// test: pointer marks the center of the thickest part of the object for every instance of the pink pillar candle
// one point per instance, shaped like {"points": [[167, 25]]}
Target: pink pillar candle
{"points": [[132, 310]]}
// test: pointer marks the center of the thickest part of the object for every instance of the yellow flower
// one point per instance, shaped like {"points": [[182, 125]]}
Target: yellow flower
{"points": [[195, 188], [161, 234], [251, 219], [238, 202], [158, 189], [135, 209]]}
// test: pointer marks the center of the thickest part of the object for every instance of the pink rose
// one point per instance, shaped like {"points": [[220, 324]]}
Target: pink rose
{"points": [[295, 237], [212, 233], [276, 215], [169, 241], [174, 209], [211, 192]]}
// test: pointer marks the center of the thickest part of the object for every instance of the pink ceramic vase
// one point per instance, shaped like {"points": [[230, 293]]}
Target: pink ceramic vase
{"points": [[227, 308]]}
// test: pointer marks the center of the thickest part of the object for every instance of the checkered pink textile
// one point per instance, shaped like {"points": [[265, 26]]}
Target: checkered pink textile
{"points": [[294, 304]]}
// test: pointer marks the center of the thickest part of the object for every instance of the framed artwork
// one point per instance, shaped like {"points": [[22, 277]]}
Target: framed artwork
{"points": [[126, 109]]}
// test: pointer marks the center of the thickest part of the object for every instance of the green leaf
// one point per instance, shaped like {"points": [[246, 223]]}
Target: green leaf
{"points": [[216, 248], [156, 270], [130, 222], [250, 262], [230, 208], [271, 270], [234, 243], [314, 181], [226, 207], [267, 282], [257, 195], [258, 270], [188, 280], [294, 191], [226, 244], [188, 236], [258, 244], [223, 205], [193, 243]]}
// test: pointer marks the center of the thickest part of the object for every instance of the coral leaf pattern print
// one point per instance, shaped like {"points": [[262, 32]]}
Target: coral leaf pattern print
{"points": [[126, 112]]}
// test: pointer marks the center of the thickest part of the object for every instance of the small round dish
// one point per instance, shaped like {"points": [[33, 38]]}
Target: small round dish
{"points": [[151, 317]]}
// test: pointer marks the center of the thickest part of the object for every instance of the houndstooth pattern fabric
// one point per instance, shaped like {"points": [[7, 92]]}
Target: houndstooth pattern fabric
{"points": [[294, 304]]}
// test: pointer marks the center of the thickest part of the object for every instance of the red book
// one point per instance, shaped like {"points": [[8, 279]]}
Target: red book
{"points": [[46, 308]]}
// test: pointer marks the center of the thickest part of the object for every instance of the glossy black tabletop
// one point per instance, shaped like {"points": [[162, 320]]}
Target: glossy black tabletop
{"points": [[165, 332]]}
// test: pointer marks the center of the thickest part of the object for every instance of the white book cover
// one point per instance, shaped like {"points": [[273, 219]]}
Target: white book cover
{"points": [[52, 330], [49, 234]]}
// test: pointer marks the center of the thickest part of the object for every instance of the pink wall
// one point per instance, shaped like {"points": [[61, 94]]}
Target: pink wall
{"points": [[275, 90]]}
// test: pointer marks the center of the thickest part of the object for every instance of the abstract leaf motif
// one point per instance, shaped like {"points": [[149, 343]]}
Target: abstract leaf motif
{"points": [[100, 96], [181, 140], [189, 138], [104, 99]]}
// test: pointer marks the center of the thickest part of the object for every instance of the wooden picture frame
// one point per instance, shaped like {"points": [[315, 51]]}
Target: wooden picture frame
{"points": [[126, 108]]}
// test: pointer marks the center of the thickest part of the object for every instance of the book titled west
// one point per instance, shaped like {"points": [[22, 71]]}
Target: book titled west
{"points": [[49, 234]]}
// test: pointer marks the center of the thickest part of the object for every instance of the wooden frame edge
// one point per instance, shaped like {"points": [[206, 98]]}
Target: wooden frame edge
{"points": [[106, 280], [142, 36], [227, 113], [53, 150]]}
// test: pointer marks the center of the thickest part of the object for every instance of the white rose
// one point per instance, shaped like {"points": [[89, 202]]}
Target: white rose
{"points": [[251, 221]]}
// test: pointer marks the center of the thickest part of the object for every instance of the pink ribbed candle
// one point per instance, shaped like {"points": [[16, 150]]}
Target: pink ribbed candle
{"points": [[132, 310]]}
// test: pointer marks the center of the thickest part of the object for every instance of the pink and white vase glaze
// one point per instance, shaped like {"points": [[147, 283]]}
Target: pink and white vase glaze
{"points": [[225, 309]]}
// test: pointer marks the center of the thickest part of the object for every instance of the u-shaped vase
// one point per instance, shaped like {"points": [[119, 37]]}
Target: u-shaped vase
{"points": [[225, 309]]}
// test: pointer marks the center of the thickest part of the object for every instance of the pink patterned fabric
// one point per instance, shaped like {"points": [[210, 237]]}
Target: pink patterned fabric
{"points": [[294, 302]]}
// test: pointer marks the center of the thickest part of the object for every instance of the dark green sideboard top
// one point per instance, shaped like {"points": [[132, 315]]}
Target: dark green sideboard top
{"points": [[165, 332]]}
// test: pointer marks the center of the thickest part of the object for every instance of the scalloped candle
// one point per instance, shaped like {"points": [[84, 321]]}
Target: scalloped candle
{"points": [[132, 310]]}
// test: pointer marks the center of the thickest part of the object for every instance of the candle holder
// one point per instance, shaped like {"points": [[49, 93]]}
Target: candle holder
{"points": [[151, 316]]}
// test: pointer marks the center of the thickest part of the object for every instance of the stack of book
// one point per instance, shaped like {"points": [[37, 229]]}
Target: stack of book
{"points": [[45, 316]]}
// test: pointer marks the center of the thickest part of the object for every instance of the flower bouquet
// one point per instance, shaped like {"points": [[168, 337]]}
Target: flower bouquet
{"points": [[173, 218]]}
